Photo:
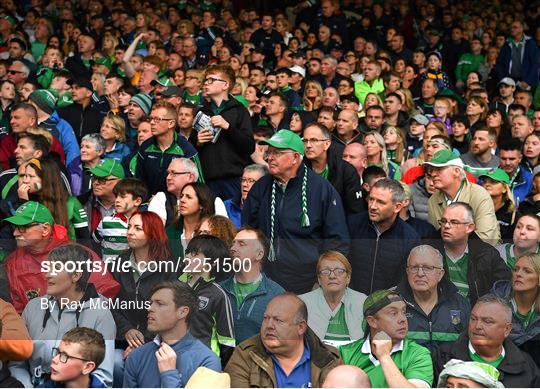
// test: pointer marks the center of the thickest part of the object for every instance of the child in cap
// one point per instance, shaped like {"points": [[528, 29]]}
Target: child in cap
{"points": [[79, 353], [111, 232]]}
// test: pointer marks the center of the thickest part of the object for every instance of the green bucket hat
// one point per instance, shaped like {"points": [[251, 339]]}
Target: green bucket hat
{"points": [[285, 139], [31, 212], [497, 175], [108, 167], [106, 61]]}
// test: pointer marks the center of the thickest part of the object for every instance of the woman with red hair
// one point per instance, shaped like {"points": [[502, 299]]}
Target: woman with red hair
{"points": [[147, 262]]}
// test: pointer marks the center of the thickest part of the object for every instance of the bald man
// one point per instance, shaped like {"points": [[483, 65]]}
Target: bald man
{"points": [[347, 376], [347, 128], [356, 155]]}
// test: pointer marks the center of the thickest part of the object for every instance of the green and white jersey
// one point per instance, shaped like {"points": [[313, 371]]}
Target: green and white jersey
{"points": [[414, 361], [458, 269], [477, 358], [337, 327], [111, 233]]}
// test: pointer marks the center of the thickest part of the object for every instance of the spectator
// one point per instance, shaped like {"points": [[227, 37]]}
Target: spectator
{"points": [[92, 150], [113, 131], [308, 196], [252, 174], [471, 264], [377, 155], [224, 158], [381, 241], [42, 182], [449, 179], [18, 73], [74, 297], [461, 374], [37, 235], [523, 298], [80, 347], [346, 376], [15, 342], [347, 129], [249, 290], [519, 58], [437, 313], [401, 362], [496, 183], [86, 113], [334, 310], [172, 358], [276, 344], [371, 82], [480, 160], [525, 240], [164, 146], [489, 343], [327, 163], [48, 118], [355, 154], [510, 157], [521, 125], [148, 244]]}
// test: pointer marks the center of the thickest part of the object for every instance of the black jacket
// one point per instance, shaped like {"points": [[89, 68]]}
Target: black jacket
{"points": [[135, 291], [485, 266], [344, 177], [375, 264], [83, 120], [232, 152], [517, 367], [446, 321], [77, 68]]}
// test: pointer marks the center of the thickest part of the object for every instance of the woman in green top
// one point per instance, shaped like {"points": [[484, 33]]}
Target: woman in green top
{"points": [[42, 182], [525, 239], [377, 155], [523, 296], [394, 141]]}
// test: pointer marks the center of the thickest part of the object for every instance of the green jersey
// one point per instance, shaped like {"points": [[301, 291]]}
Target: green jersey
{"points": [[457, 272], [477, 358], [413, 360], [337, 326]]}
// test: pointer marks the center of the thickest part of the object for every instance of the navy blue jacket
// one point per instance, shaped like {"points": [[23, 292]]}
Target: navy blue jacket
{"points": [[248, 316], [298, 248], [529, 62], [234, 210], [378, 265]]}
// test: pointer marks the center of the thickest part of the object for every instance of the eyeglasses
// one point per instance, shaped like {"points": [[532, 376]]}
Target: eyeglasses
{"points": [[453, 223], [13, 72], [176, 174], [426, 269], [276, 153], [64, 357], [249, 181], [211, 80], [103, 180], [313, 141], [156, 119], [23, 229], [338, 272]]}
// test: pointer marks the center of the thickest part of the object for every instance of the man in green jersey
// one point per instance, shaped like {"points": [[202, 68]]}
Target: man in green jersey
{"points": [[389, 360]]}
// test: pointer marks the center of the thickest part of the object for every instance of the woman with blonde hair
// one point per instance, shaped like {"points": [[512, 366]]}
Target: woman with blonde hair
{"points": [[395, 144], [522, 294], [335, 311], [497, 184], [370, 100], [113, 131], [313, 95], [377, 155]]}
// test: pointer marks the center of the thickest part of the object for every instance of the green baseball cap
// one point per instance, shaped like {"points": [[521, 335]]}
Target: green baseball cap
{"points": [[31, 212], [498, 175], [108, 167], [378, 300], [285, 139], [444, 158]]}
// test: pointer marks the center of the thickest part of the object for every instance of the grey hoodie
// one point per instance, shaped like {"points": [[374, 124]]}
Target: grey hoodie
{"points": [[47, 328]]}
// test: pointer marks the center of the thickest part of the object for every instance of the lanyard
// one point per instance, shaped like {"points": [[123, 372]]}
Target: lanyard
{"points": [[450, 201]]}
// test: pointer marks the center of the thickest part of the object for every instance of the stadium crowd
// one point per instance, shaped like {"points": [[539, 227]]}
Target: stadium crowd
{"points": [[222, 193]]}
